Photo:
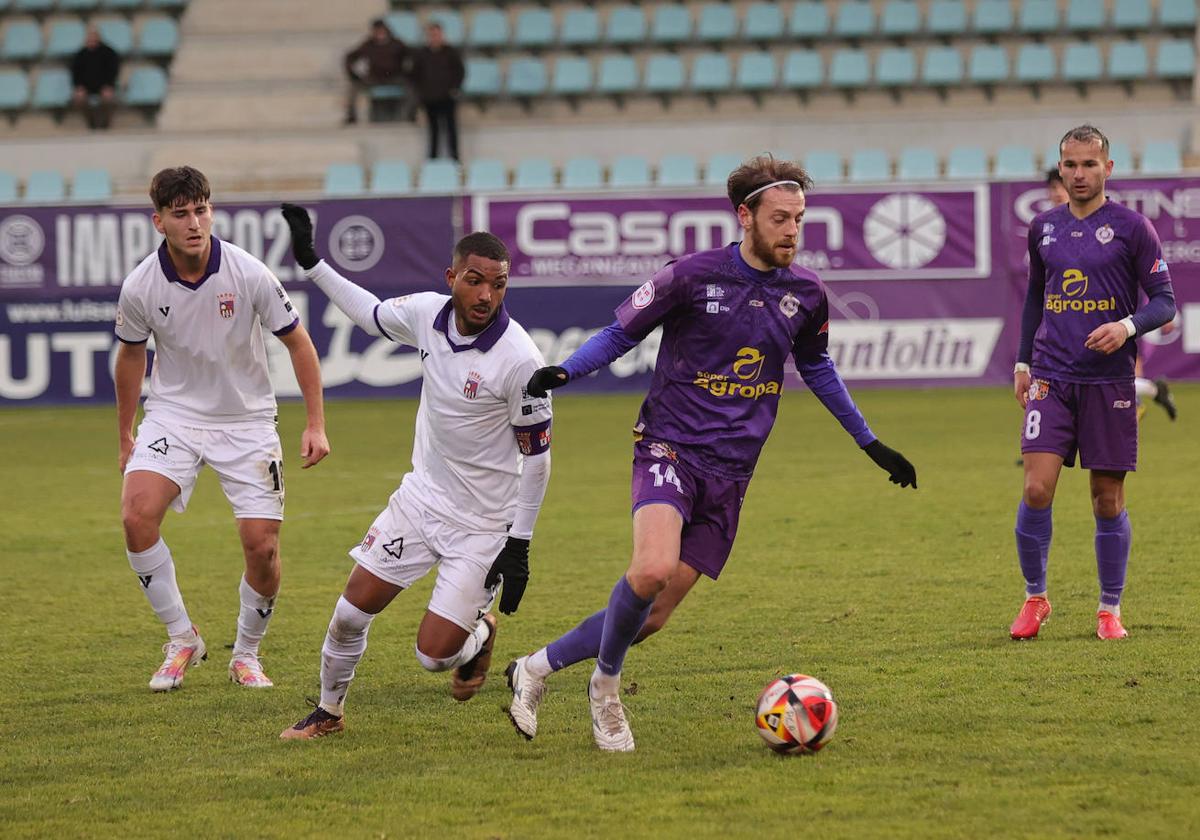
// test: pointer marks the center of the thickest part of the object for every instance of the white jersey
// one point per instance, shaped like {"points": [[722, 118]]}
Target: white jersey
{"points": [[210, 362], [475, 420]]}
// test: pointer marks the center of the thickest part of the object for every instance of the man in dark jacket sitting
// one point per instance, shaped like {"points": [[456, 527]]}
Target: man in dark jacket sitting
{"points": [[381, 59]]}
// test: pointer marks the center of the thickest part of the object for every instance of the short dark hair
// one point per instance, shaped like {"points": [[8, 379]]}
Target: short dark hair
{"points": [[378, 22], [481, 244], [1053, 176], [1085, 134], [178, 185], [760, 171]]}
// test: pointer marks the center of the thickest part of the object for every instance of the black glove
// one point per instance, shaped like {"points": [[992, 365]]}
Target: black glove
{"points": [[544, 379], [302, 234], [899, 470], [512, 568]]}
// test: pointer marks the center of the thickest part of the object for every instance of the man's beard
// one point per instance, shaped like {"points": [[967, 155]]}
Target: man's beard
{"points": [[764, 251]]}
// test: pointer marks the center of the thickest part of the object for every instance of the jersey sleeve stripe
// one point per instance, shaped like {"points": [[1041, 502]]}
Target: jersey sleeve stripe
{"points": [[382, 331], [131, 341], [295, 323]]}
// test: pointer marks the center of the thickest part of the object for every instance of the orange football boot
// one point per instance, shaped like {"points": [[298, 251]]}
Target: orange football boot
{"points": [[1029, 620]]}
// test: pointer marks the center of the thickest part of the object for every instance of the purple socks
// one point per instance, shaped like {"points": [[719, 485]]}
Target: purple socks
{"points": [[1113, 538], [1034, 528], [580, 643], [623, 619]]}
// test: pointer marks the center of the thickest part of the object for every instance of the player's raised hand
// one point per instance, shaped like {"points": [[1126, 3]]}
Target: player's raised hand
{"points": [[544, 379], [313, 447], [899, 470], [301, 227], [1107, 338], [511, 568]]}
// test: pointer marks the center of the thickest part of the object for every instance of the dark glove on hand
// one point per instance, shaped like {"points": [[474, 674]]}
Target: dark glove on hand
{"points": [[302, 234], [512, 568], [544, 379], [899, 470]]}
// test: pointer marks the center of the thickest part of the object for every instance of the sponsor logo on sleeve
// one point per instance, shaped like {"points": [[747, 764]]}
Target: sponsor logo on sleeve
{"points": [[644, 295], [1159, 265]]}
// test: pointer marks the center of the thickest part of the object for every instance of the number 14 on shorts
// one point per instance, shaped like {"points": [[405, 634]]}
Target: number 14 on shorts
{"points": [[665, 475]]}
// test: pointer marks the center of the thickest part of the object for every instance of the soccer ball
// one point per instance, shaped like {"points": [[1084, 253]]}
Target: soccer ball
{"points": [[796, 714]]}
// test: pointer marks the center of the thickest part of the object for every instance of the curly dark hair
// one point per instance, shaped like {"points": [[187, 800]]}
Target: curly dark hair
{"points": [[178, 185], [760, 171]]}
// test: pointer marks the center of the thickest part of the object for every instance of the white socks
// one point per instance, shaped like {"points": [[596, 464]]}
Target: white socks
{"points": [[1145, 389], [345, 643], [156, 571], [605, 685], [538, 664], [255, 613]]}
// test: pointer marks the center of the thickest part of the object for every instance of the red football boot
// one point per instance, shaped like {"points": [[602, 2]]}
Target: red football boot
{"points": [[1108, 626], [1029, 620]]}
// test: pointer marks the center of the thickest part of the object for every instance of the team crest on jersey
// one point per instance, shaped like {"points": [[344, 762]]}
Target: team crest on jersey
{"points": [[644, 295], [663, 452], [1104, 234], [120, 317], [789, 305], [369, 539], [471, 388], [225, 305], [1039, 389], [1159, 265]]}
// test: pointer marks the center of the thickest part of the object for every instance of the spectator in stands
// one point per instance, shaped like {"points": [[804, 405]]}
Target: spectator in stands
{"points": [[381, 59], [94, 72], [437, 75]]}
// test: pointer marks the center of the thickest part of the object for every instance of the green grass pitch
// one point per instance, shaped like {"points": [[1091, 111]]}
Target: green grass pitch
{"points": [[899, 600]]}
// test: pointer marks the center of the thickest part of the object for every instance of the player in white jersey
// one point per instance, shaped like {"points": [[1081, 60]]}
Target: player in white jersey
{"points": [[481, 462], [205, 302]]}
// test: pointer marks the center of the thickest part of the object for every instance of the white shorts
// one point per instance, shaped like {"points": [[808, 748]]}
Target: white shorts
{"points": [[247, 459], [406, 541]]}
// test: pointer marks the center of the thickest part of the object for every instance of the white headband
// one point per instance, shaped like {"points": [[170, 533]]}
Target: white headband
{"points": [[768, 186]]}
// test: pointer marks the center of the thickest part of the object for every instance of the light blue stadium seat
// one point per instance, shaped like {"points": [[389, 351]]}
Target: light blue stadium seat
{"points": [[711, 72], [1082, 62], [22, 41], [482, 77], [534, 28], [946, 17], [678, 171], [672, 24], [718, 23], [1035, 63], [1127, 61], [167, 4], [854, 19], [1015, 162], [1176, 59], [486, 175], [159, 37], [534, 174], [344, 179], [1121, 156], [664, 74], [629, 171], [966, 162], [8, 188], [120, 5], [895, 66], [45, 185], [406, 27], [451, 23], [626, 26], [1050, 156], [718, 167], [917, 163], [763, 22], [572, 76], [438, 176], [618, 74], [91, 185], [802, 70], [1085, 16], [527, 77], [824, 167], [52, 90], [580, 27], [849, 68], [14, 90], [992, 17], [1131, 14], [390, 177], [76, 5], [582, 173], [989, 64], [1161, 157], [870, 165], [147, 87], [900, 19], [942, 66], [809, 20], [32, 6], [1038, 16], [117, 33], [65, 39], [488, 29], [756, 72], [1177, 14]]}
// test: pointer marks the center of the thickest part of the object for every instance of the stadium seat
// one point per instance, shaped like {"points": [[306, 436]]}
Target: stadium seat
{"points": [[1127, 61], [177, 5], [389, 177], [487, 175], [75, 5], [718, 23], [117, 33], [1038, 17], [629, 171], [580, 28], [405, 26], [14, 90], [438, 176], [159, 37], [1176, 59], [482, 78], [664, 74], [1121, 156], [824, 167], [344, 179], [572, 76], [8, 188], [120, 5], [582, 173], [966, 162], [1050, 156], [1082, 62], [763, 22], [989, 64], [534, 174], [809, 20], [618, 74], [1015, 162], [527, 77], [678, 171], [718, 167], [65, 39], [52, 90], [802, 70], [900, 19], [992, 17], [895, 67], [1035, 63], [22, 41], [147, 87], [942, 66], [488, 29], [946, 18], [626, 26], [711, 72], [45, 185], [451, 23], [870, 165], [917, 164], [534, 29], [1177, 14], [1131, 15], [1085, 16], [672, 24], [91, 185], [32, 6], [756, 72], [849, 68], [854, 19], [1161, 157]]}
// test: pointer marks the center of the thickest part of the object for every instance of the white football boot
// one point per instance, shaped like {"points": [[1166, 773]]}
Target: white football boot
{"points": [[527, 696], [609, 726], [179, 655]]}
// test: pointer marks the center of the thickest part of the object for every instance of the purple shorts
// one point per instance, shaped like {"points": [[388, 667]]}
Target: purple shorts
{"points": [[709, 504], [1097, 421]]}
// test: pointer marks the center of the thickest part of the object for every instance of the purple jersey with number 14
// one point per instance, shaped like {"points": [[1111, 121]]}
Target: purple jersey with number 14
{"points": [[727, 331]]}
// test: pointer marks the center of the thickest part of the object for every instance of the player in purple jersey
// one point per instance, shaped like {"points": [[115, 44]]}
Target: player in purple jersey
{"points": [[1088, 260], [730, 317]]}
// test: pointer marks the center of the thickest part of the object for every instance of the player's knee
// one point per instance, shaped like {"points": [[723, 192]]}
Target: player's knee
{"points": [[1107, 507], [1038, 494], [349, 624], [141, 528], [262, 553], [650, 580], [434, 663]]}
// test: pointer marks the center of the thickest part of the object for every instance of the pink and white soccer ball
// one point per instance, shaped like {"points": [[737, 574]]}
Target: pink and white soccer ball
{"points": [[796, 714]]}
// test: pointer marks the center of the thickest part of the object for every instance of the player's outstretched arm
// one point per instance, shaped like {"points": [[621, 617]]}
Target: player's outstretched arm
{"points": [[898, 468], [601, 350], [314, 445], [130, 370]]}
